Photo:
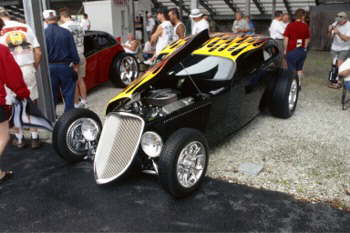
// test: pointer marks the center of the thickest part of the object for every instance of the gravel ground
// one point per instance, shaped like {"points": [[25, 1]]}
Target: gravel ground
{"points": [[306, 156]]}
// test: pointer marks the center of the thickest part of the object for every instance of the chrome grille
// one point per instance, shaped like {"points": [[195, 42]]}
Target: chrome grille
{"points": [[117, 147]]}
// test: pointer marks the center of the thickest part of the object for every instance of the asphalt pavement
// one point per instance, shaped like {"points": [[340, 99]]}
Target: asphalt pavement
{"points": [[46, 194]]}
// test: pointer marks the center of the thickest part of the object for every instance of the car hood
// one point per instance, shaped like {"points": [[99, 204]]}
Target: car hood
{"points": [[162, 67]]}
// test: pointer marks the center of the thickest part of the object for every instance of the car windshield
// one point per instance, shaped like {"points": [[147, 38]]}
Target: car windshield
{"points": [[205, 67]]}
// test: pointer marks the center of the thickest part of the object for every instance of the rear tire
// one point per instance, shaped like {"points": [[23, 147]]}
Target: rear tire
{"points": [[124, 70], [70, 150], [285, 95], [173, 156]]}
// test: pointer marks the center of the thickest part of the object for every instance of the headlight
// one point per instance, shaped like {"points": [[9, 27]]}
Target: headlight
{"points": [[151, 144], [90, 129]]}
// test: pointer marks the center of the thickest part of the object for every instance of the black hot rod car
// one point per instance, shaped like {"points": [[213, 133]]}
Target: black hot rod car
{"points": [[202, 89]]}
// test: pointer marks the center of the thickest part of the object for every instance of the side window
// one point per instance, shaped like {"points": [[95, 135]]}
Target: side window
{"points": [[250, 62], [90, 44], [105, 41], [270, 52]]}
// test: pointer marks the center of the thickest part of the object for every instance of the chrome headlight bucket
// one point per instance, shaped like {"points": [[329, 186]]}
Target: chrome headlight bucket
{"points": [[151, 144], [90, 129]]}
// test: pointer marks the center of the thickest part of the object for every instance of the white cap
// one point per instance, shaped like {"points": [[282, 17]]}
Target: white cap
{"points": [[49, 14], [195, 13]]}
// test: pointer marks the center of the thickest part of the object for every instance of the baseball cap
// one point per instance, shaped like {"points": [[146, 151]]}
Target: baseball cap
{"points": [[195, 13], [49, 14], [341, 16]]}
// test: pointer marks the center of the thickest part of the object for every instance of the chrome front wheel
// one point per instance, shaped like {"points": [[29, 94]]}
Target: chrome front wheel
{"points": [[75, 134], [191, 164], [183, 162]]}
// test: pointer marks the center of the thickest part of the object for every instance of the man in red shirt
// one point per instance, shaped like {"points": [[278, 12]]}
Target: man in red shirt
{"points": [[10, 76], [296, 40]]}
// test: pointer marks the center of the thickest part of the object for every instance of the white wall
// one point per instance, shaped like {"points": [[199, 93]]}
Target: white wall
{"points": [[107, 16]]}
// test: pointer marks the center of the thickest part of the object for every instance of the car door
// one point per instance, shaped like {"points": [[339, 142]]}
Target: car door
{"points": [[249, 85], [106, 55], [91, 53]]}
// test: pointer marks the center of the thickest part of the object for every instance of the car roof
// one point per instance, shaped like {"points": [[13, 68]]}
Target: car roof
{"points": [[228, 45]]}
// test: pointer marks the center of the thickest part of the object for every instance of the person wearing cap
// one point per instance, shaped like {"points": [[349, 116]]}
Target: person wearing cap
{"points": [[179, 27], [63, 59], [296, 41], [25, 48], [150, 24], [10, 76], [80, 99], [240, 25], [340, 31], [199, 23]]}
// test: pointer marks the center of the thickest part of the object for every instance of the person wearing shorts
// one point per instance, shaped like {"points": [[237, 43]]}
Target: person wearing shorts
{"points": [[340, 31], [80, 98], [296, 40], [10, 76]]}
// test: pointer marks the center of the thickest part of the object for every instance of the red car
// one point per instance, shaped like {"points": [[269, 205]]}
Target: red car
{"points": [[107, 60]]}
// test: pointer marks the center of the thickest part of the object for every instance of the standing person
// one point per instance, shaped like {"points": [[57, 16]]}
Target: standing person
{"points": [[11, 76], [277, 29], [150, 24], [164, 34], [240, 25], [63, 59], [285, 19], [296, 40], [85, 22], [199, 22], [250, 24], [340, 30], [80, 97], [179, 27], [25, 48]]}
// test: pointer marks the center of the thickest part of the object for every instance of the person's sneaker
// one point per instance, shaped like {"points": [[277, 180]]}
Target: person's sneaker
{"points": [[35, 143], [84, 105], [15, 142]]}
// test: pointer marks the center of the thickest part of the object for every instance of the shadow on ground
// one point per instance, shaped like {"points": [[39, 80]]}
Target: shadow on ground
{"points": [[48, 195]]}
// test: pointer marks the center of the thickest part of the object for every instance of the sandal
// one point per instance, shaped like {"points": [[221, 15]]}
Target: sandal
{"points": [[7, 175], [335, 85]]}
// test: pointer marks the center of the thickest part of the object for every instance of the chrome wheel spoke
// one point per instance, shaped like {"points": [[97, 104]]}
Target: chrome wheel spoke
{"points": [[191, 164]]}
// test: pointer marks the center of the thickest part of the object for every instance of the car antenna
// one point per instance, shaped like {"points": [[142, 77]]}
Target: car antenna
{"points": [[189, 76]]}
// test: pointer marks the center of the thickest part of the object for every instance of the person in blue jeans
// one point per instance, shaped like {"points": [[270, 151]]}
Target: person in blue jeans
{"points": [[296, 41], [63, 59]]}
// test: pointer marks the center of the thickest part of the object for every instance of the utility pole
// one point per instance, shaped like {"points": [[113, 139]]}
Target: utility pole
{"points": [[33, 13]]}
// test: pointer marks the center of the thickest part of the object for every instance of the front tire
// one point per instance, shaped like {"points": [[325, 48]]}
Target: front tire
{"points": [[67, 138], [125, 69], [183, 162], [285, 95]]}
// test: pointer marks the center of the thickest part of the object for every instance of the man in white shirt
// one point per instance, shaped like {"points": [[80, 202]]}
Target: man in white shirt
{"points": [[240, 25], [85, 22], [277, 29], [340, 31], [150, 24], [80, 99], [164, 34], [199, 23], [25, 48], [131, 46]]}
